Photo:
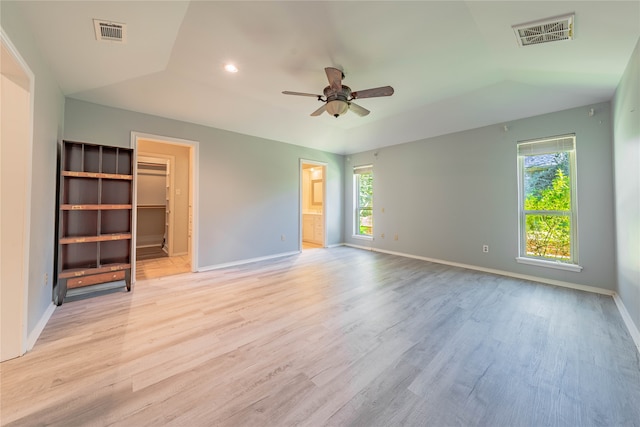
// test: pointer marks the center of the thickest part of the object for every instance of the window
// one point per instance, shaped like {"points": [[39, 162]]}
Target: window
{"points": [[547, 202], [363, 195]]}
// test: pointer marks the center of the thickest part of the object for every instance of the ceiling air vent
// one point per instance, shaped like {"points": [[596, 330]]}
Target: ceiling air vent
{"points": [[110, 31], [545, 31]]}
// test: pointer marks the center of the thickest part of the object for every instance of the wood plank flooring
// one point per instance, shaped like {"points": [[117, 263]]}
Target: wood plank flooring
{"points": [[151, 252], [336, 337], [162, 267]]}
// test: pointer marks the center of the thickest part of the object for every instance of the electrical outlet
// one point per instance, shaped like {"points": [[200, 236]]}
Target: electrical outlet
{"points": [[485, 249], [382, 236], [46, 279], [395, 236], [283, 237]]}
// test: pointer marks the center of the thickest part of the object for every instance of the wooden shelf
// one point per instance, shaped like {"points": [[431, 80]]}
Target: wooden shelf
{"points": [[92, 207], [97, 175], [101, 238], [77, 272], [94, 218]]}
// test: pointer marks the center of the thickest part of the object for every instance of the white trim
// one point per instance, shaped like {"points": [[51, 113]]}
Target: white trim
{"points": [[246, 261], [573, 213], [633, 329], [362, 237], [44, 319], [4, 39], [194, 190], [554, 282], [365, 248], [549, 264]]}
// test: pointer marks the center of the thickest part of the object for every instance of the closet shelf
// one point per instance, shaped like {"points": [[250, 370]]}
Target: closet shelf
{"points": [[152, 206]]}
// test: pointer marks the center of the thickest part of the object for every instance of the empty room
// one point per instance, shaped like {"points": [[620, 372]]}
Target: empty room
{"points": [[320, 213]]}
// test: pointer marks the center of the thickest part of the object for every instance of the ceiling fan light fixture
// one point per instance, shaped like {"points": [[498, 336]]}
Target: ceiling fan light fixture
{"points": [[337, 107]]}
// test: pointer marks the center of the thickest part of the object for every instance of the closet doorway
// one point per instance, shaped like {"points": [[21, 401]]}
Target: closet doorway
{"points": [[164, 202], [154, 234], [312, 204]]}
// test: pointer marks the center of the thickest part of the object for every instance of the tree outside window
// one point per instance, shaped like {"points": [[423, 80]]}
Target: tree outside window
{"points": [[363, 189], [547, 208]]}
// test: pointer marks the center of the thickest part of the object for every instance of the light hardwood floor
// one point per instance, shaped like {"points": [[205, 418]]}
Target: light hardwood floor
{"points": [[162, 267], [330, 337], [309, 245]]}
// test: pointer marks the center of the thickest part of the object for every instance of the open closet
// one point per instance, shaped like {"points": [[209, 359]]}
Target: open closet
{"points": [[153, 206]]}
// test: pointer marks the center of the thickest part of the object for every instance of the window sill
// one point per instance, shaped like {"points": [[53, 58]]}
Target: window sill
{"points": [[549, 264], [361, 237]]}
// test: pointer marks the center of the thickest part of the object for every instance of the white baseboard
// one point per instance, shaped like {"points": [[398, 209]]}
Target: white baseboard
{"points": [[554, 282], [633, 329], [149, 240], [35, 334], [245, 261], [335, 245]]}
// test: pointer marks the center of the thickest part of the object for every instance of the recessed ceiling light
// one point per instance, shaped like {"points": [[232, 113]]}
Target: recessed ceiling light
{"points": [[231, 68]]}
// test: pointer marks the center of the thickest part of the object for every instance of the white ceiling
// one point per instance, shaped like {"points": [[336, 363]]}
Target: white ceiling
{"points": [[455, 65]]}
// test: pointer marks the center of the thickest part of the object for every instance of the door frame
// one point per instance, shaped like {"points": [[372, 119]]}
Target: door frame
{"points": [[194, 190], [21, 315], [324, 166]]}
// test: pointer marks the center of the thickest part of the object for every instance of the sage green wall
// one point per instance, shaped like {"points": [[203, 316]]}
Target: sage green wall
{"points": [[47, 129], [249, 186], [449, 195], [626, 137]]}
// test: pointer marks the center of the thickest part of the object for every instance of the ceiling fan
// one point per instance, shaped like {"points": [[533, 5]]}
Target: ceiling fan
{"points": [[337, 97]]}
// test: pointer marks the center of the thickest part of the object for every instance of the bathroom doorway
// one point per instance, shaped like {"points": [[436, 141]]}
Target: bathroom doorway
{"points": [[312, 204]]}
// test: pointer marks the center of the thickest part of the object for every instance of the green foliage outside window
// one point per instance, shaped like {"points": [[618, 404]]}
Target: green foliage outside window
{"points": [[365, 204], [549, 235]]}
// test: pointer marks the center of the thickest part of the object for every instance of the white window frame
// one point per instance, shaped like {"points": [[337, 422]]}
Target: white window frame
{"points": [[562, 143], [357, 171]]}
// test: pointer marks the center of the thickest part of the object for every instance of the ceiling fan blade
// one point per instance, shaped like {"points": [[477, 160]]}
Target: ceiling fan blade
{"points": [[335, 77], [320, 110], [358, 109], [372, 93], [286, 92]]}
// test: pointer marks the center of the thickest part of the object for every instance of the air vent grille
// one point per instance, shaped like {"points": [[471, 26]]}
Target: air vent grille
{"points": [[110, 31], [546, 31]]}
